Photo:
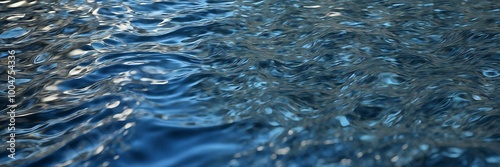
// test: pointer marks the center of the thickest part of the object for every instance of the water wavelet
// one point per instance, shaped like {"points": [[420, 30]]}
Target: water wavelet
{"points": [[252, 83]]}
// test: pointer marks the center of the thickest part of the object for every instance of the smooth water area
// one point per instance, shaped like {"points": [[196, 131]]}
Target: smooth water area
{"points": [[252, 83]]}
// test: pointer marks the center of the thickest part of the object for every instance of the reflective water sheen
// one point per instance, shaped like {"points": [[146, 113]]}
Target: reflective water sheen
{"points": [[253, 82]]}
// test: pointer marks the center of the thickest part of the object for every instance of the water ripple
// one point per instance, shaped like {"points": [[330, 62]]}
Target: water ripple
{"points": [[253, 83]]}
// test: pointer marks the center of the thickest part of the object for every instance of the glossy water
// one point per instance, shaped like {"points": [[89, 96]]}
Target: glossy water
{"points": [[253, 83]]}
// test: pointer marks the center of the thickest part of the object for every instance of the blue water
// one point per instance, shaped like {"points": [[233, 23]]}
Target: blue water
{"points": [[252, 83]]}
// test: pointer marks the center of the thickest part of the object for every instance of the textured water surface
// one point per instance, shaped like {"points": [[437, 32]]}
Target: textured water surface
{"points": [[252, 82]]}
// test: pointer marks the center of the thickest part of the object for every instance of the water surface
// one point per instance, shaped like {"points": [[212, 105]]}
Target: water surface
{"points": [[253, 82]]}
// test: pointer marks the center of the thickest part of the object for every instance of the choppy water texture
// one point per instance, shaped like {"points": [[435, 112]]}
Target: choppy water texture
{"points": [[253, 83]]}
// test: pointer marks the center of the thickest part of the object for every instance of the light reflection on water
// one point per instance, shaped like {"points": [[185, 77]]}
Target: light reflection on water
{"points": [[253, 83]]}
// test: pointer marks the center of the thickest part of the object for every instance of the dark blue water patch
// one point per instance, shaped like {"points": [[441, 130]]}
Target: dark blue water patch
{"points": [[79, 147], [201, 15], [165, 7], [188, 145], [452, 156], [365, 113], [435, 106], [488, 122]]}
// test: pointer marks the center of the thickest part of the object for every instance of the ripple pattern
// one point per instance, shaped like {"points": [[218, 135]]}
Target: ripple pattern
{"points": [[253, 82]]}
